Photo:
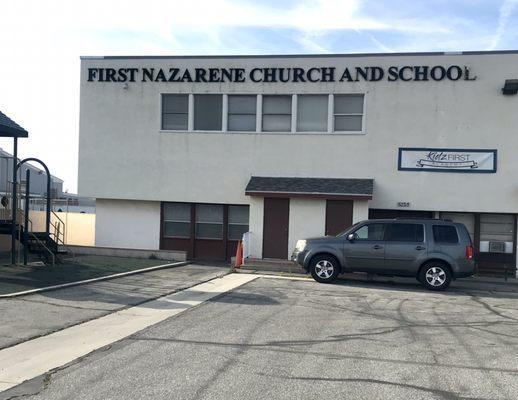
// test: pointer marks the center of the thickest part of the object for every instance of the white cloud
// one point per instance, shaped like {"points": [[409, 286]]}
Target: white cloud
{"points": [[507, 8]]}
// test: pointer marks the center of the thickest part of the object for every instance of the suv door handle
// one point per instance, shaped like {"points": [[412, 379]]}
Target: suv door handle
{"points": [[420, 247], [377, 247]]}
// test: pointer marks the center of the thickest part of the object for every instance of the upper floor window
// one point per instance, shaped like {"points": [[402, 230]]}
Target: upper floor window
{"points": [[242, 112], [276, 113], [312, 113], [208, 112], [175, 109], [348, 112]]}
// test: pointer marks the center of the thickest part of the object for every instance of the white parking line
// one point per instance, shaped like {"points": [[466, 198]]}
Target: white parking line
{"points": [[35, 357]]}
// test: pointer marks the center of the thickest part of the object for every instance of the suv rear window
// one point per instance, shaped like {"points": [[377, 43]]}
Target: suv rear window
{"points": [[405, 233], [445, 234]]}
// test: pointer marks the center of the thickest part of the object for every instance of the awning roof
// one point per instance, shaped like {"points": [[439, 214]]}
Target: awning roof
{"points": [[328, 188], [9, 128]]}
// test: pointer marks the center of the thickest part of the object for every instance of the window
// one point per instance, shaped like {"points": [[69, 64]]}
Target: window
{"points": [[175, 111], [312, 113], [207, 112], [496, 233], [464, 218], [237, 222], [177, 220], [405, 233], [348, 112], [241, 113], [370, 232], [276, 113], [445, 234], [209, 221]]}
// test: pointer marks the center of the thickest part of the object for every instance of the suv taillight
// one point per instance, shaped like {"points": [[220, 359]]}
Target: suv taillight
{"points": [[469, 252]]}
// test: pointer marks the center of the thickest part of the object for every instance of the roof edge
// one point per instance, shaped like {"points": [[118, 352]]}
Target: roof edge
{"points": [[325, 55]]}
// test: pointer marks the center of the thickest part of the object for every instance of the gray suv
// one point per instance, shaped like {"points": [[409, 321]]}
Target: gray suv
{"points": [[433, 251]]}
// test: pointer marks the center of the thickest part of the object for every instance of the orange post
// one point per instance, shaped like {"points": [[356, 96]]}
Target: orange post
{"points": [[239, 255]]}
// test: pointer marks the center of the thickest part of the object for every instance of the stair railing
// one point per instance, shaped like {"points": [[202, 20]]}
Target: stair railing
{"points": [[52, 255], [59, 233]]}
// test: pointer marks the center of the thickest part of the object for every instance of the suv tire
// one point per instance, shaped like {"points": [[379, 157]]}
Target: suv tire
{"points": [[324, 268], [435, 275]]}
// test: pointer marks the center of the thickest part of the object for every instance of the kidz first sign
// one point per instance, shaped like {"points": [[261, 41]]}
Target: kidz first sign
{"points": [[393, 73]]}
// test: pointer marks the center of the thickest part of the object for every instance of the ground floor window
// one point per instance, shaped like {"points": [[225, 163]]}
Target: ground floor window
{"points": [[209, 221], [177, 220], [204, 231], [237, 221], [497, 233]]}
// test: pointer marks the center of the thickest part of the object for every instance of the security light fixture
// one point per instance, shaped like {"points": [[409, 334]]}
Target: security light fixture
{"points": [[510, 86]]}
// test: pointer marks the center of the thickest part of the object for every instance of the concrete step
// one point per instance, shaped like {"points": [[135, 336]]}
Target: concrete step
{"points": [[266, 264]]}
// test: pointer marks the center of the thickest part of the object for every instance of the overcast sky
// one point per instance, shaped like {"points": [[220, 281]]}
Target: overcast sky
{"points": [[41, 41]]}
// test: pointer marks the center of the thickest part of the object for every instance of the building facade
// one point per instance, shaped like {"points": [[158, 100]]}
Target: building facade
{"points": [[189, 153]]}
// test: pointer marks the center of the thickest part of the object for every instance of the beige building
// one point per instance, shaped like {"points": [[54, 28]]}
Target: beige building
{"points": [[189, 153]]}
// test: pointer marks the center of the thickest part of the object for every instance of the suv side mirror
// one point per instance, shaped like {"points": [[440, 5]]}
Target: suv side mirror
{"points": [[351, 237]]}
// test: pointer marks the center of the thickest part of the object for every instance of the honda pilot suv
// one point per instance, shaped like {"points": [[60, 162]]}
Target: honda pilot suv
{"points": [[431, 250]]}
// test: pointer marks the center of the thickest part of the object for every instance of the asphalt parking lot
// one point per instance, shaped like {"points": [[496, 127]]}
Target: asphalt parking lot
{"points": [[26, 317], [279, 338]]}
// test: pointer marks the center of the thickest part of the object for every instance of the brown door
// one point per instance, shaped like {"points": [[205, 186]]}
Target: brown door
{"points": [[275, 228], [339, 216]]}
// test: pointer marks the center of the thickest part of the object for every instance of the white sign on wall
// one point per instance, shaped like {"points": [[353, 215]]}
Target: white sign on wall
{"points": [[447, 160]]}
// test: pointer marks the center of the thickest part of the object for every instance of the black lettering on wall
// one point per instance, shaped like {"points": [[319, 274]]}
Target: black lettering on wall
{"points": [[186, 77], [363, 72], [160, 76], [226, 74], [298, 75], [402, 75], [438, 73], [92, 74], [270, 75], [148, 74], [310, 76], [122, 75], [346, 76], [173, 75], [420, 73], [200, 75], [284, 74], [253, 76], [454, 73], [132, 72], [376, 74], [327, 74], [393, 74], [239, 75]]}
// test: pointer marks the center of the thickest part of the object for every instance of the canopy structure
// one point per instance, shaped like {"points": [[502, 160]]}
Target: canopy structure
{"points": [[9, 128], [328, 188]]}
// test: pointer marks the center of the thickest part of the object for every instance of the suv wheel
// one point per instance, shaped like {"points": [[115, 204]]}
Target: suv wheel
{"points": [[324, 268], [435, 275]]}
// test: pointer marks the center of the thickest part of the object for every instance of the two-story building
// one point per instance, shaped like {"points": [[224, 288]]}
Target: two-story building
{"points": [[188, 153]]}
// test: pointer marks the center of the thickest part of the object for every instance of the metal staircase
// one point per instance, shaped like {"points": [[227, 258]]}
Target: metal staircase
{"points": [[50, 248]]}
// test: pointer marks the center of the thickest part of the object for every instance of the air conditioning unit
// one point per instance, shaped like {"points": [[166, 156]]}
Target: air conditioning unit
{"points": [[497, 247]]}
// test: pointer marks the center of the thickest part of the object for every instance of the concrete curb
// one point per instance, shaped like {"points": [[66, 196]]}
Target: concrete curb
{"points": [[86, 281]]}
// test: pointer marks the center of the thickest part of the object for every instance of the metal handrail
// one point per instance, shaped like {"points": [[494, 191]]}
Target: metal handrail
{"points": [[45, 247]]}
